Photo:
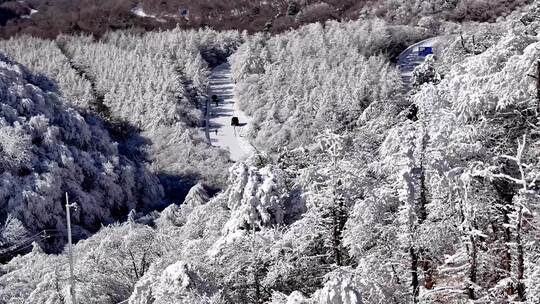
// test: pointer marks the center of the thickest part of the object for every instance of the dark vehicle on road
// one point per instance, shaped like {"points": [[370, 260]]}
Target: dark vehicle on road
{"points": [[235, 122], [215, 99]]}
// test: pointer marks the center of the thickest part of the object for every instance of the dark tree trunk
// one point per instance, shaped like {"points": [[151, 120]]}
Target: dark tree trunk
{"points": [[336, 239], [135, 270], [507, 255], [429, 281], [257, 286], [421, 211], [338, 223], [422, 202], [473, 267], [520, 259], [506, 193], [414, 274], [339, 218]]}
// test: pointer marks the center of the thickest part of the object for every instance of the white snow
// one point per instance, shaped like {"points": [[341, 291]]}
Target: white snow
{"points": [[139, 11], [32, 11], [219, 118], [339, 289], [176, 284]]}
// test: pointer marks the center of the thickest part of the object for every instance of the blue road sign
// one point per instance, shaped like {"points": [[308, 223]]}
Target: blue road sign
{"points": [[424, 51]]}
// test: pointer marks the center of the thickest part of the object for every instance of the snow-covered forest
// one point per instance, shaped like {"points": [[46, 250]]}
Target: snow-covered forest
{"points": [[154, 83], [361, 189]]}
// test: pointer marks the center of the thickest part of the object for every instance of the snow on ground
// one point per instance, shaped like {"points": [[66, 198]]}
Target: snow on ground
{"points": [[219, 130], [409, 59], [32, 11], [139, 11]]}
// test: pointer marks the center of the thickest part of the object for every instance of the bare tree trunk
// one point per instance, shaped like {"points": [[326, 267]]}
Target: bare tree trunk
{"points": [[257, 286], [473, 267], [143, 264], [395, 275], [414, 274], [520, 259], [427, 263], [472, 252], [338, 213], [507, 258], [336, 238], [507, 261], [422, 206], [134, 264], [338, 224], [427, 268]]}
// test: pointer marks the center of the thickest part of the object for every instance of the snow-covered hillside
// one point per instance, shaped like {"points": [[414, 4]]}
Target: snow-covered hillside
{"points": [[48, 149], [151, 88], [294, 89], [362, 191]]}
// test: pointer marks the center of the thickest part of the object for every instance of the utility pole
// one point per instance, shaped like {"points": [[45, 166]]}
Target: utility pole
{"points": [[70, 251]]}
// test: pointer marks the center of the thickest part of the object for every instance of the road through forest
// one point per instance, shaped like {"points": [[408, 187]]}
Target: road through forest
{"points": [[219, 131]]}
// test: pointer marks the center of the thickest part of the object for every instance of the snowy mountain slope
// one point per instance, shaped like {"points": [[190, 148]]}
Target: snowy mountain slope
{"points": [[436, 206], [155, 84], [47, 149], [99, 16], [158, 82], [75, 89], [219, 129]]}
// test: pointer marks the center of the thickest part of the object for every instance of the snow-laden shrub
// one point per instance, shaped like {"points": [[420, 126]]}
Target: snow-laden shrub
{"points": [[107, 266], [408, 11], [178, 283], [426, 72], [257, 196], [35, 277], [177, 215], [480, 78], [12, 232], [339, 289], [295, 297]]}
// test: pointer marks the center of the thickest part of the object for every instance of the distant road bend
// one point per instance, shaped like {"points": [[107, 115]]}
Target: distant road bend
{"points": [[219, 130], [413, 56]]}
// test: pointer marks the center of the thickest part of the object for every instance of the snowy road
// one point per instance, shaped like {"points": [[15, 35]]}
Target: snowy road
{"points": [[219, 129], [410, 58]]}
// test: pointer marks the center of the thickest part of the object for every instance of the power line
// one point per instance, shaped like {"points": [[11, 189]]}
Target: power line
{"points": [[28, 242]]}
